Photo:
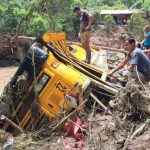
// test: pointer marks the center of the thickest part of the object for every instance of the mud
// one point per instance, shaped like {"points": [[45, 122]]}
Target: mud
{"points": [[113, 38], [5, 76]]}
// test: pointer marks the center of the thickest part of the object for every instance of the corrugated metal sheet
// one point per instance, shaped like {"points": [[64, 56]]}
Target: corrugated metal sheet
{"points": [[121, 12]]}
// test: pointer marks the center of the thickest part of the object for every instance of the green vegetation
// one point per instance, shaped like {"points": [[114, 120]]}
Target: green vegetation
{"points": [[109, 22], [136, 24], [34, 17]]}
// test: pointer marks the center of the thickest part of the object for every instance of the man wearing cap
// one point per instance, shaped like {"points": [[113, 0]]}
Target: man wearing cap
{"points": [[85, 30], [139, 64]]}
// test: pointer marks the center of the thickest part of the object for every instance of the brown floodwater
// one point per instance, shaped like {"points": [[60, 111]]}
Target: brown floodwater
{"points": [[5, 75]]}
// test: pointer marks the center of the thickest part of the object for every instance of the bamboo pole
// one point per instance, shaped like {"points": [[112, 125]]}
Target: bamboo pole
{"points": [[4, 118], [100, 103]]}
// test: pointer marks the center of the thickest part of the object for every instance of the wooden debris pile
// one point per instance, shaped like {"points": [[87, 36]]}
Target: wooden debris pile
{"points": [[124, 124], [133, 100]]}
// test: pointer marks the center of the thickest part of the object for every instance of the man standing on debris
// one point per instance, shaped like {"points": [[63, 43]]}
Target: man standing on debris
{"points": [[139, 64], [85, 30]]}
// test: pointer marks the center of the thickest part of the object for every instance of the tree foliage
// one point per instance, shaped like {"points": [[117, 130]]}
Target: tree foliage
{"points": [[37, 16], [109, 22], [34, 17], [137, 23]]}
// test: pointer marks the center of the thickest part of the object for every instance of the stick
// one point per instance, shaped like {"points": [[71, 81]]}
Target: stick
{"points": [[92, 111], [90, 129], [128, 139], [100, 103], [139, 130], [74, 85], [100, 141], [2, 117], [77, 125], [108, 48], [101, 119], [68, 115]]}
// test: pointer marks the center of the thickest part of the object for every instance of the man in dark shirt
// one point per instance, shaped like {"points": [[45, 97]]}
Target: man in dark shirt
{"points": [[139, 64], [85, 30]]}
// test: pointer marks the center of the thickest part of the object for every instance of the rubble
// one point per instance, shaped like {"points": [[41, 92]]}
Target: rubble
{"points": [[133, 99], [127, 128], [123, 123]]}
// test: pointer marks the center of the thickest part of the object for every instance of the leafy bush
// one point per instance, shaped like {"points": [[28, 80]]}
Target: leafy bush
{"points": [[57, 16], [122, 37], [96, 20], [37, 26], [136, 24], [10, 14], [109, 22]]}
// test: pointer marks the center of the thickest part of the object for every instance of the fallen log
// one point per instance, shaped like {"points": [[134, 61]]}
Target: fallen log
{"points": [[97, 47], [4, 118], [110, 49]]}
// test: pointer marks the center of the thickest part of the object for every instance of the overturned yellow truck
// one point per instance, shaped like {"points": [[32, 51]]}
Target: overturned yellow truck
{"points": [[49, 73]]}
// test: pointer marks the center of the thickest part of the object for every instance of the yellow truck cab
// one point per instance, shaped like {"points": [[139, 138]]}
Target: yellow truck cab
{"points": [[40, 85], [55, 79]]}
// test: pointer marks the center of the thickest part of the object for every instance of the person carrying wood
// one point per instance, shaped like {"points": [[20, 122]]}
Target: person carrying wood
{"points": [[139, 63], [85, 30]]}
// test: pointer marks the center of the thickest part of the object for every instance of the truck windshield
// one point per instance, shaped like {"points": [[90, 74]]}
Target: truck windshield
{"points": [[42, 83]]}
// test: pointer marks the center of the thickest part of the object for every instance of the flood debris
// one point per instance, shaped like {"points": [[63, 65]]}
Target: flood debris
{"points": [[123, 129], [9, 143], [133, 100], [116, 131], [5, 119], [96, 119]]}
